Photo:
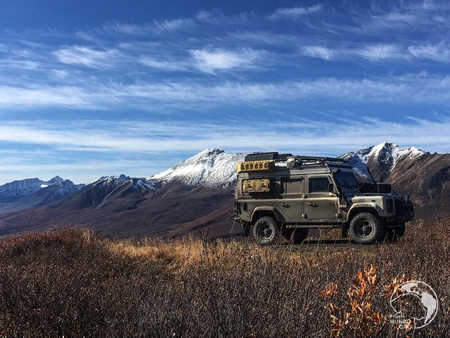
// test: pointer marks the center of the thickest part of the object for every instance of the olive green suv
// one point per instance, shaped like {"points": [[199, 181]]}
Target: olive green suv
{"points": [[288, 195]]}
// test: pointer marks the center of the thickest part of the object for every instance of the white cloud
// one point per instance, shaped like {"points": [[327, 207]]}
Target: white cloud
{"points": [[209, 61], [166, 65], [414, 88], [45, 96], [141, 137], [125, 28], [172, 25], [439, 53], [295, 12], [380, 52], [84, 56], [318, 52]]}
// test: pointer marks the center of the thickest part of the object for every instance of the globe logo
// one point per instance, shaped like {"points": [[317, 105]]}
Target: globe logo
{"points": [[415, 304]]}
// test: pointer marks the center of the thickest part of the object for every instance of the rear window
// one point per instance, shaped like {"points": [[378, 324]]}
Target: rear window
{"points": [[292, 186], [319, 184]]}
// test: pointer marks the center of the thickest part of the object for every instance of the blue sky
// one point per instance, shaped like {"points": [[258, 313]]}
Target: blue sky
{"points": [[92, 88]]}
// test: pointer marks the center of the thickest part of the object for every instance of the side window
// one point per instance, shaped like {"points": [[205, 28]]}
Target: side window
{"points": [[319, 184], [292, 186]]}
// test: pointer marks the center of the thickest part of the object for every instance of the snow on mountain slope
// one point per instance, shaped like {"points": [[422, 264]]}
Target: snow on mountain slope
{"points": [[13, 191], [114, 181], [211, 167], [383, 156]]}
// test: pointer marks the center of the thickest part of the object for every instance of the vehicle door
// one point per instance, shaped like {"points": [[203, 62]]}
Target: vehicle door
{"points": [[322, 201], [292, 204]]}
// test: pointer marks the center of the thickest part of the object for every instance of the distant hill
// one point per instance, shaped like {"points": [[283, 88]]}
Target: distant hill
{"points": [[196, 195], [34, 193]]}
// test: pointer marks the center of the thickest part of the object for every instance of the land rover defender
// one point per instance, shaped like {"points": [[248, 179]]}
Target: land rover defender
{"points": [[288, 195]]}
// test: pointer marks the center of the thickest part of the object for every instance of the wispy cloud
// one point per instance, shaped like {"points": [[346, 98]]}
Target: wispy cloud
{"points": [[438, 53], [145, 137], [172, 25], [318, 52], [380, 52], [209, 61], [45, 96], [164, 64], [294, 12], [84, 56], [413, 88]]}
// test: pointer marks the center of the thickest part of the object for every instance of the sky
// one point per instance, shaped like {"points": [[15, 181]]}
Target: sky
{"points": [[96, 88]]}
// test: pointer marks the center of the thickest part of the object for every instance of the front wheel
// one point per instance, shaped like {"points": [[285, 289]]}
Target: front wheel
{"points": [[265, 231], [366, 228]]}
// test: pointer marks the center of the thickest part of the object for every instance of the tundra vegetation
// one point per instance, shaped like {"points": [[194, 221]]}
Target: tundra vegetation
{"points": [[77, 283]]}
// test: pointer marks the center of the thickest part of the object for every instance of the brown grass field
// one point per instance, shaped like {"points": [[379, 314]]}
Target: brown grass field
{"points": [[79, 284]]}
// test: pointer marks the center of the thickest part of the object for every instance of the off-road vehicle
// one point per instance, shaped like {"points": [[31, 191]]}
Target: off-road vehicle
{"points": [[288, 195]]}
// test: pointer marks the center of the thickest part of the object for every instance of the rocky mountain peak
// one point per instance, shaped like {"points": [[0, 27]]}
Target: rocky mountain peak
{"points": [[381, 158], [212, 167]]}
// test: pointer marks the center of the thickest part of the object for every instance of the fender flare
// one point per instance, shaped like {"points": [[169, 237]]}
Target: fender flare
{"points": [[266, 211], [364, 207]]}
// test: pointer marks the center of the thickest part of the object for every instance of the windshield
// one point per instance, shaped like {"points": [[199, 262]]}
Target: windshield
{"points": [[347, 182]]}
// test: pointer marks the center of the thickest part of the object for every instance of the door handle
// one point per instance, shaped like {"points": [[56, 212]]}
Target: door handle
{"points": [[284, 205], [312, 204]]}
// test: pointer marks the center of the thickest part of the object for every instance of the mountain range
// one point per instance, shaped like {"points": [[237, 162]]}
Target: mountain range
{"points": [[196, 195]]}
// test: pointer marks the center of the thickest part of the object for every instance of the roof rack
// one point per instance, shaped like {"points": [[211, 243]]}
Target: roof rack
{"points": [[319, 159], [267, 156], [299, 161], [267, 161]]}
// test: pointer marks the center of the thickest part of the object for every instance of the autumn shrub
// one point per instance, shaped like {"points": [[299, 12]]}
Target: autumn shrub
{"points": [[76, 283]]}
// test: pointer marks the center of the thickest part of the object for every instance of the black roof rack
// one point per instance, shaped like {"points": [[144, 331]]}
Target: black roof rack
{"points": [[267, 156], [319, 159], [299, 160]]}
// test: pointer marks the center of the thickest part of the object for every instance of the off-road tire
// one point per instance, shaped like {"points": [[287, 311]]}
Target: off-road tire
{"points": [[295, 236], [394, 234], [265, 231], [366, 228]]}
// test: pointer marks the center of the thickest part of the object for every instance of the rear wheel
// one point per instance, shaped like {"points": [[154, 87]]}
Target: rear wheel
{"points": [[366, 228], [265, 231]]}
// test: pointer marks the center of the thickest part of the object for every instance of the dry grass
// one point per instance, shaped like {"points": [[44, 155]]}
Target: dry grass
{"points": [[75, 283]]}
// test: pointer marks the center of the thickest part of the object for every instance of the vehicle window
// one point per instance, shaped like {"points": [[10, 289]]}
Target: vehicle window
{"points": [[319, 184], [292, 186]]}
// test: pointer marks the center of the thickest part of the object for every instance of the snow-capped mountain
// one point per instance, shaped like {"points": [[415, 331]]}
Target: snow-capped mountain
{"points": [[382, 158], [115, 181], [211, 167], [122, 192], [34, 193], [14, 191]]}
